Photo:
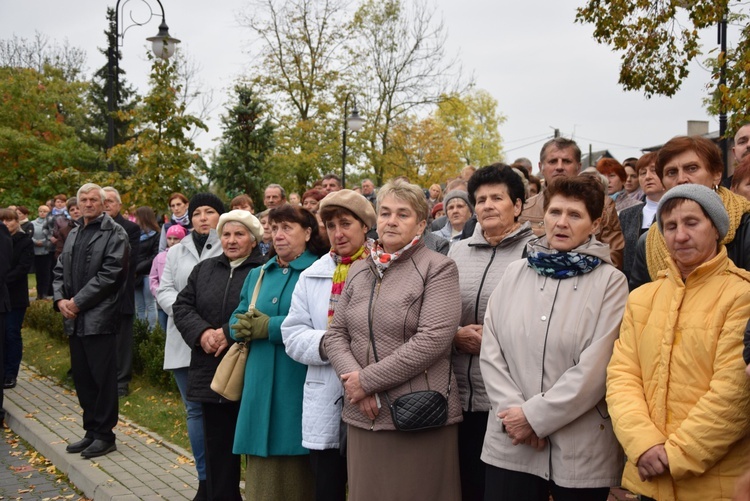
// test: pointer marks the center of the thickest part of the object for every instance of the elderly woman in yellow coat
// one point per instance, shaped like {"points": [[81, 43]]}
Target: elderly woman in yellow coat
{"points": [[676, 385]]}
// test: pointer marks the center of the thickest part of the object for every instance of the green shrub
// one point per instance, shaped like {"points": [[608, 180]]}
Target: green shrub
{"points": [[148, 355], [148, 346], [42, 317]]}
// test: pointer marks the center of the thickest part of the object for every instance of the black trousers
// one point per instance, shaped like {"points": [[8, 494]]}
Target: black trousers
{"points": [[125, 351], [92, 359], [222, 467], [2, 365], [329, 469], [43, 265], [470, 440], [502, 485]]}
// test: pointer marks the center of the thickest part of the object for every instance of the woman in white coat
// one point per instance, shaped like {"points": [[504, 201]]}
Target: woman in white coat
{"points": [[347, 217], [548, 335], [203, 243]]}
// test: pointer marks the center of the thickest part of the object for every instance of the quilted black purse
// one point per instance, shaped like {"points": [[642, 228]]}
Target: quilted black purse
{"points": [[418, 410]]}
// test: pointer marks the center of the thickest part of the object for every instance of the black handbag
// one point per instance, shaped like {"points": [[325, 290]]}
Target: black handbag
{"points": [[418, 410]]}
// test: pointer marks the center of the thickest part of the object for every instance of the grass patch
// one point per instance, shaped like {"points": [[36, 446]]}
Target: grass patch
{"points": [[161, 409]]}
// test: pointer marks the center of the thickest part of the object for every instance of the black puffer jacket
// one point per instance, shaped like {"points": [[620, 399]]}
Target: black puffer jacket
{"points": [[207, 301]]}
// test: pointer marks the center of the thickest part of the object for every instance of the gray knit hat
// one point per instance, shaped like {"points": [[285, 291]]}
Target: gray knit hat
{"points": [[706, 198], [457, 194]]}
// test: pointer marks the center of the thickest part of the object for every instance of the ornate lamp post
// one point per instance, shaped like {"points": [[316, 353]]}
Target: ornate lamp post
{"points": [[163, 46], [352, 122]]}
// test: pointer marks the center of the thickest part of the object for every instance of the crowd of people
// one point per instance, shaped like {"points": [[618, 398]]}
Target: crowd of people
{"points": [[500, 336]]}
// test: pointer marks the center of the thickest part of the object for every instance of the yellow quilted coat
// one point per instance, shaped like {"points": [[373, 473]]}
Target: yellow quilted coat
{"points": [[677, 378]]}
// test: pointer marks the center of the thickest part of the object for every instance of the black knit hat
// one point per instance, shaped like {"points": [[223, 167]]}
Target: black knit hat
{"points": [[201, 199]]}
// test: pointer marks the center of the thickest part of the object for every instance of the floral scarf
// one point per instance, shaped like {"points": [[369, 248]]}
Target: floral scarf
{"points": [[183, 220], [383, 259], [562, 265], [343, 263]]}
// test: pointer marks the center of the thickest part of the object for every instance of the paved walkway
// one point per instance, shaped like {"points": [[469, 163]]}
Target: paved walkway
{"points": [[144, 466], [24, 475]]}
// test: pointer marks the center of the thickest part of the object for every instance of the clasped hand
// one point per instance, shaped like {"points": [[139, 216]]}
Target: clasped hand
{"points": [[653, 463], [213, 341], [368, 404], [68, 308], [519, 430], [251, 325], [468, 339]]}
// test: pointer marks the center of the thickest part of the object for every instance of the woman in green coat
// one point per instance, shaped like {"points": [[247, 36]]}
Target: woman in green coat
{"points": [[269, 427]]}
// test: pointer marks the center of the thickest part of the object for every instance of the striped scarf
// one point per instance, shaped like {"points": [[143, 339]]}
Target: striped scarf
{"points": [[343, 263], [656, 247]]}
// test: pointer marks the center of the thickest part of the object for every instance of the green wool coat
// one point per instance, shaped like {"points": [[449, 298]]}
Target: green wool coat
{"points": [[270, 419]]}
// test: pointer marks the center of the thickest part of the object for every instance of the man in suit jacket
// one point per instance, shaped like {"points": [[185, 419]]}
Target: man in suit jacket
{"points": [[113, 205]]}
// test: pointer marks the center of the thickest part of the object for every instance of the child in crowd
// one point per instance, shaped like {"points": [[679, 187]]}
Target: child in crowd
{"points": [[175, 234]]}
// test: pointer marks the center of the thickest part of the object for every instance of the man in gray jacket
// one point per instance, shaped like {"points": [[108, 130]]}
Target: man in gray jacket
{"points": [[87, 286]]}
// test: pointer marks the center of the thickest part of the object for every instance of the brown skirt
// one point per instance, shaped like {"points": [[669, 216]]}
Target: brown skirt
{"points": [[408, 466]]}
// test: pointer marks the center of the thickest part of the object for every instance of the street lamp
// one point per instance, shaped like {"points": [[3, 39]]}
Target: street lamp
{"points": [[352, 122], [162, 45]]}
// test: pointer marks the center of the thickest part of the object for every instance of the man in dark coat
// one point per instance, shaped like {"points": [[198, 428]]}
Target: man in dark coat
{"points": [[113, 205], [17, 282], [88, 287]]}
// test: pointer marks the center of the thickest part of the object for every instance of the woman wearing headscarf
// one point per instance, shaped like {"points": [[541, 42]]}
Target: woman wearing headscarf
{"points": [[497, 194], [347, 217], [548, 336], [269, 427], [202, 312], [202, 244], [392, 335], [676, 384]]}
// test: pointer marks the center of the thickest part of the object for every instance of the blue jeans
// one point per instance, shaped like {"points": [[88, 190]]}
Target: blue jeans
{"points": [[145, 304], [163, 319], [194, 422], [13, 342]]}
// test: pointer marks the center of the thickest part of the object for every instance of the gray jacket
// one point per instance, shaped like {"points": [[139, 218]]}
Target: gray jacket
{"points": [[98, 299], [480, 268], [547, 351]]}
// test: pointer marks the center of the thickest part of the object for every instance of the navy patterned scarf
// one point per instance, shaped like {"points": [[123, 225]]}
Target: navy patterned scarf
{"points": [[562, 265]]}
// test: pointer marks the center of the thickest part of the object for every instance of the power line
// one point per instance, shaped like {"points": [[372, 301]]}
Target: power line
{"points": [[611, 144], [528, 144], [545, 135]]}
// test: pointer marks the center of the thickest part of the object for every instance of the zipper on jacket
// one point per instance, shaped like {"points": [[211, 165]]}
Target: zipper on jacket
{"points": [[476, 321], [226, 291], [373, 294]]}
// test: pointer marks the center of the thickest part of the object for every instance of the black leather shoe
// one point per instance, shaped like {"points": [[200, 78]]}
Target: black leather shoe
{"points": [[9, 382], [98, 448], [80, 445]]}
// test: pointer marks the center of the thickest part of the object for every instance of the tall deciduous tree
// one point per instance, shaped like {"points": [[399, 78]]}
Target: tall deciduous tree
{"points": [[474, 122], [247, 144], [298, 70], [160, 152], [423, 150], [40, 151], [400, 58], [657, 47]]}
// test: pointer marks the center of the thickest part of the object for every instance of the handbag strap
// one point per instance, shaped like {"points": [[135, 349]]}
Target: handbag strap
{"points": [[375, 351], [257, 289]]}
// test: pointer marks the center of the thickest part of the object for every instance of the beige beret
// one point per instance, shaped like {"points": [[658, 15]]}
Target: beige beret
{"points": [[244, 217], [354, 203]]}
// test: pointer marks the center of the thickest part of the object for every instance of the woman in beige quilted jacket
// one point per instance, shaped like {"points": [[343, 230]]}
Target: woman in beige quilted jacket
{"points": [[391, 335]]}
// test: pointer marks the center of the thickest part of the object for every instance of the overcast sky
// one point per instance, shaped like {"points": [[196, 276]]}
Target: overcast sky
{"points": [[544, 70]]}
